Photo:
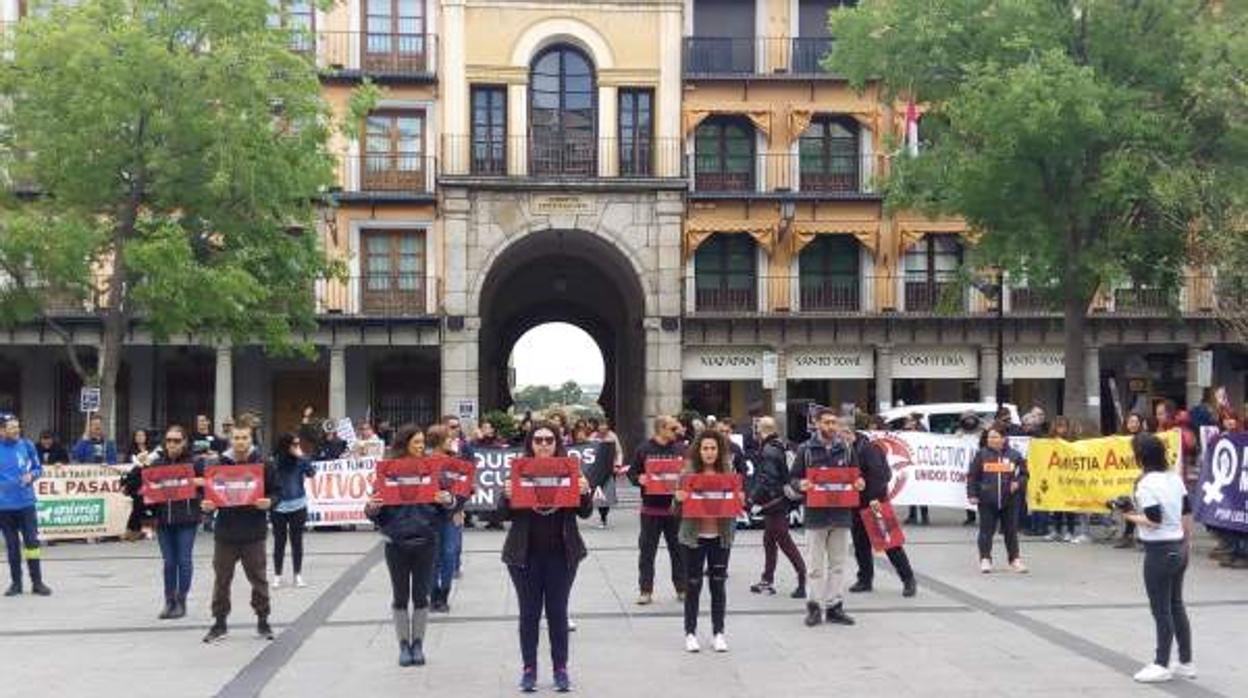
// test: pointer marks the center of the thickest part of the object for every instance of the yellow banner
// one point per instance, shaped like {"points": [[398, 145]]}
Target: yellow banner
{"points": [[1085, 475]]}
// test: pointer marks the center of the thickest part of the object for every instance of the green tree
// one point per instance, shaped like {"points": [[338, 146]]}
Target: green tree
{"points": [[570, 393], [1088, 141], [176, 152]]}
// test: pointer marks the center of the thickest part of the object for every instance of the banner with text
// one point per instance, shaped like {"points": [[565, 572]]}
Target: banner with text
{"points": [[1085, 476], [339, 490], [928, 469], [81, 501], [493, 469], [1221, 498]]}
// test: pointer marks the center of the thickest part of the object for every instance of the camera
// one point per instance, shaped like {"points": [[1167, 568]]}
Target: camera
{"points": [[1123, 505]]}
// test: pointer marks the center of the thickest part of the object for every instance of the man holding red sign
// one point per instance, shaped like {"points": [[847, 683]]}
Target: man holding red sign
{"points": [[831, 500], [653, 461], [874, 517]]}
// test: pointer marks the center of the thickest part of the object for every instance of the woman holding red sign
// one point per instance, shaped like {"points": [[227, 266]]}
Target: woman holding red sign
{"points": [[706, 541], [995, 484], [411, 533], [542, 551]]}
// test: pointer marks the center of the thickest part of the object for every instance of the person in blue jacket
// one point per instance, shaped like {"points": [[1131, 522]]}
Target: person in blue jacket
{"points": [[93, 447], [19, 468]]}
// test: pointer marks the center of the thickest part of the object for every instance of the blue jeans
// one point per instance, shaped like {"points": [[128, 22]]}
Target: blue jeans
{"points": [[450, 543], [176, 545]]}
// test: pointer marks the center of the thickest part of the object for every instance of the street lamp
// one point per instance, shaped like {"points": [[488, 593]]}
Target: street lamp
{"points": [[995, 292]]}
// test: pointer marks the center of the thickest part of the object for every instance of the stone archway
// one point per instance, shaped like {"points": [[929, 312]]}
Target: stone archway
{"points": [[575, 277]]}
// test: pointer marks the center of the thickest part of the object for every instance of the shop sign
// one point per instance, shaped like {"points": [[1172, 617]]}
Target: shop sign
{"points": [[722, 363], [1034, 362], [830, 363], [935, 362]]}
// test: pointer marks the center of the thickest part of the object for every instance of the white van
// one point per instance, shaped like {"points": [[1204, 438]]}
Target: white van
{"points": [[942, 417]]}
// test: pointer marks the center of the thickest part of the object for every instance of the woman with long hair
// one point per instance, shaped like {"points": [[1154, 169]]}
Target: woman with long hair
{"points": [[995, 484], [411, 534], [706, 542], [451, 536], [139, 453], [289, 515], [542, 551], [1134, 424], [1075, 524]]}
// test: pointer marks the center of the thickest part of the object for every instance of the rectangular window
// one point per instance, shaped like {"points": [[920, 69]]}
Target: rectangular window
{"points": [[726, 274], [636, 132], [394, 39], [931, 269], [489, 130], [394, 152], [393, 265], [828, 268]]}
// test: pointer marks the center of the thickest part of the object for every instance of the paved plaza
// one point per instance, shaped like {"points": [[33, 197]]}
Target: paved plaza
{"points": [[1077, 625]]}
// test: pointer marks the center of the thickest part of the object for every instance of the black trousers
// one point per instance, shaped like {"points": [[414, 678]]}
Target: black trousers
{"points": [[990, 517], [710, 558], [544, 583], [288, 525], [652, 527], [866, 560], [1164, 567], [411, 573]]}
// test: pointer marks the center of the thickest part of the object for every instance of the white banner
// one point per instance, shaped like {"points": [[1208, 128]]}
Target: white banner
{"points": [[339, 490], [930, 469]]}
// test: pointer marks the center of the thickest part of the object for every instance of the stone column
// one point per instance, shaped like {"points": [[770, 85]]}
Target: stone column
{"points": [[988, 373], [1092, 376], [337, 382], [780, 394], [517, 130], [454, 84], [608, 117], [460, 359], [223, 389], [883, 377], [1195, 391]]}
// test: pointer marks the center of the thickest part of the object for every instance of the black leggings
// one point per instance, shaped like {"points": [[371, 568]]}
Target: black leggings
{"points": [[544, 583], [1164, 566], [712, 557], [290, 523], [1007, 516], [411, 573]]}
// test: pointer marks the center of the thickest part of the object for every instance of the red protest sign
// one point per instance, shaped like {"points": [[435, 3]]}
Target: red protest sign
{"points": [[832, 488], [168, 483], [458, 476], [548, 483], [664, 475], [408, 481], [234, 485], [711, 496], [883, 528]]}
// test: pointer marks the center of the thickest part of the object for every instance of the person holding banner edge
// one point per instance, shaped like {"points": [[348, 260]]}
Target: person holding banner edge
{"points": [[411, 535], [657, 518], [876, 475], [995, 483], [707, 542], [542, 551], [19, 469]]}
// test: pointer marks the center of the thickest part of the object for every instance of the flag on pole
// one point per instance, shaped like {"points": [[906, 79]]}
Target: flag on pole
{"points": [[912, 129]]}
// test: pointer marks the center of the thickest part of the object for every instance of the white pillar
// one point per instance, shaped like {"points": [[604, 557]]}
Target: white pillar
{"points": [[884, 377], [223, 391], [608, 150], [453, 79], [1195, 391], [988, 374], [337, 382], [517, 130], [1092, 376]]}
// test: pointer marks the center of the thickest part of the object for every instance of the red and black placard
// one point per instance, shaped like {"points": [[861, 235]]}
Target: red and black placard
{"points": [[712, 495], [883, 528], [545, 483], [408, 481], [832, 488], [663, 475], [234, 485], [168, 483]]}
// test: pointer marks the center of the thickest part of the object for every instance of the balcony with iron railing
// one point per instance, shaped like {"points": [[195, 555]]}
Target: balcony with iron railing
{"points": [[386, 176], [567, 158], [382, 294], [725, 174], [358, 54], [737, 57]]}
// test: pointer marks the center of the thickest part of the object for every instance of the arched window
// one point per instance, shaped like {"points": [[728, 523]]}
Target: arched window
{"points": [[563, 113], [829, 153]]}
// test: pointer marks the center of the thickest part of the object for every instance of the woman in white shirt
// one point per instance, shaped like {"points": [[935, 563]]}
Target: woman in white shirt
{"points": [[1163, 520]]}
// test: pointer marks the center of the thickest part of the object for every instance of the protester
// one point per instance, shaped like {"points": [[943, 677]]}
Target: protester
{"points": [[332, 447], [411, 535], [204, 443], [707, 543], [542, 551], [289, 515], [450, 532], [240, 534], [768, 493], [1232, 549], [739, 464], [995, 484], [19, 469], [657, 518], [827, 529], [920, 515], [1134, 424], [1075, 524], [140, 452], [94, 447], [487, 436], [1163, 518], [176, 522], [367, 443], [50, 451], [873, 468], [601, 431]]}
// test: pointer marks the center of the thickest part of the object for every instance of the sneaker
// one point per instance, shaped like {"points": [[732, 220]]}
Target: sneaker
{"points": [[1068, 538], [909, 588], [1053, 537], [277, 581], [571, 625], [263, 630], [299, 583], [1153, 673], [14, 590], [763, 588], [814, 616], [418, 652], [691, 643], [645, 598], [528, 680], [563, 682], [720, 643], [40, 589], [985, 565], [860, 587], [799, 592], [602, 525], [838, 616], [1183, 671], [1081, 539], [216, 633], [1018, 566], [405, 653]]}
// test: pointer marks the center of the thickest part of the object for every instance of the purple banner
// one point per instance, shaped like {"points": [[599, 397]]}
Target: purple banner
{"points": [[1221, 498]]}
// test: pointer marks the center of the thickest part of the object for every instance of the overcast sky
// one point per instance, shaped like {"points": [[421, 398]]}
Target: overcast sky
{"points": [[555, 353]]}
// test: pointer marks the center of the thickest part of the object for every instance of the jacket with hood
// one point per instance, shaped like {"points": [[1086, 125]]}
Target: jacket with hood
{"points": [[653, 504], [816, 454], [991, 474], [17, 459], [241, 525], [97, 451], [771, 475], [179, 513], [873, 465], [410, 525]]}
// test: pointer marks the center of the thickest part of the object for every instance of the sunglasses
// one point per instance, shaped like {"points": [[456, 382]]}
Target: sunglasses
{"points": [[543, 440]]}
